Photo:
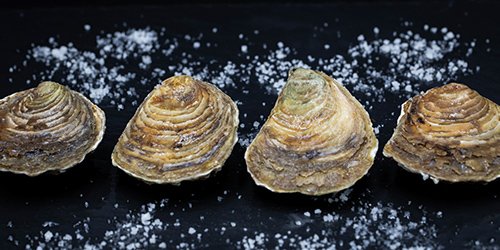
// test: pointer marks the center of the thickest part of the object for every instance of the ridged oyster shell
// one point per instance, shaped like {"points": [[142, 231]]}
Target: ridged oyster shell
{"points": [[318, 138], [449, 133], [185, 129], [47, 128]]}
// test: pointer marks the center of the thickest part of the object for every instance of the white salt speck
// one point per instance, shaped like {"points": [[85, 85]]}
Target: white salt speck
{"points": [[146, 59], [408, 88], [395, 86], [256, 124], [449, 35], [86, 27], [48, 236], [145, 218], [244, 48], [327, 46], [196, 45], [376, 30], [191, 230]]}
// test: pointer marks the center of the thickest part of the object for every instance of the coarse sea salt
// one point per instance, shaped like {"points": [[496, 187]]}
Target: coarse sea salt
{"points": [[365, 225], [372, 67]]}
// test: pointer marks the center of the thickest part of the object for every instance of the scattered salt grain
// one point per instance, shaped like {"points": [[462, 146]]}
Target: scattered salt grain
{"points": [[244, 48], [48, 236]]}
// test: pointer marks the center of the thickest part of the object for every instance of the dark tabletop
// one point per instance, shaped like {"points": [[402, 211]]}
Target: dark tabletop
{"points": [[116, 54]]}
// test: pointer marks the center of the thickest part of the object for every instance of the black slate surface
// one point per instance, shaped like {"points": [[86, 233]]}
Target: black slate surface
{"points": [[94, 202]]}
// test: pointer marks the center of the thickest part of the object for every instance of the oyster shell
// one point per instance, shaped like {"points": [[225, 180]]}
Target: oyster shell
{"points": [[185, 129], [47, 128], [318, 138], [449, 133]]}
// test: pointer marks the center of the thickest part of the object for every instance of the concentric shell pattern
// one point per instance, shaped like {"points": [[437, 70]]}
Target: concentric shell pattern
{"points": [[185, 129], [47, 128], [448, 133], [318, 138]]}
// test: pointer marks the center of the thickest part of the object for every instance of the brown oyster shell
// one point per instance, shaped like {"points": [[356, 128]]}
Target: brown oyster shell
{"points": [[47, 128], [450, 133], [185, 129], [318, 138]]}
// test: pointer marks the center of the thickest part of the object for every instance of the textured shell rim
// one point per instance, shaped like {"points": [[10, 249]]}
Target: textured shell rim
{"points": [[178, 181], [371, 156], [100, 115], [191, 177], [425, 176]]}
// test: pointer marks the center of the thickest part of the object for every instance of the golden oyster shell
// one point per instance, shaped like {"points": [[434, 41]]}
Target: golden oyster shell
{"points": [[318, 138], [185, 129], [47, 128], [449, 133]]}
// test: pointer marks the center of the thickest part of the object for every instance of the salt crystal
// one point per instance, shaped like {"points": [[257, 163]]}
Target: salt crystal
{"points": [[48, 236], [256, 124], [145, 218], [146, 59], [449, 35], [244, 48]]}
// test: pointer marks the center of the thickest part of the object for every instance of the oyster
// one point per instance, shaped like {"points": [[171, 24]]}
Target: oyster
{"points": [[47, 128], [448, 133], [185, 129], [318, 138]]}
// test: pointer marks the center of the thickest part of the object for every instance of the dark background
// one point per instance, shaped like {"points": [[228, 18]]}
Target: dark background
{"points": [[95, 197]]}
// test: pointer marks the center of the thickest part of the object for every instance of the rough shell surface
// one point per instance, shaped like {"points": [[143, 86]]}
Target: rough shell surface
{"points": [[47, 128], [185, 129], [318, 138], [449, 133]]}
